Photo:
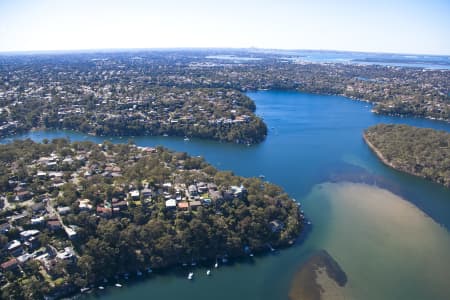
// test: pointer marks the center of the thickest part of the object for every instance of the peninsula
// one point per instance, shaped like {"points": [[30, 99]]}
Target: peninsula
{"points": [[76, 214], [423, 152], [193, 93]]}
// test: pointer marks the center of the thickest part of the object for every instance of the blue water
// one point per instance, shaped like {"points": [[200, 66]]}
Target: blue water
{"points": [[311, 137], [439, 62]]}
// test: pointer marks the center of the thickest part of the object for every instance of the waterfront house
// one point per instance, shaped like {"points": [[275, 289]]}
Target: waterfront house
{"points": [[276, 225]]}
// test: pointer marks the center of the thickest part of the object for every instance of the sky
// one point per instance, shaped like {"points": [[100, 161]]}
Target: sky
{"points": [[394, 26]]}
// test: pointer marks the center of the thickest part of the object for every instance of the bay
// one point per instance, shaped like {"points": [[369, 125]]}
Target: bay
{"points": [[313, 150]]}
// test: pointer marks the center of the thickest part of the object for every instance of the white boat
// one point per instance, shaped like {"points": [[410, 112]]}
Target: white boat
{"points": [[118, 285], [216, 265], [208, 272], [165, 134], [190, 275], [251, 255], [186, 139], [84, 289], [101, 287]]}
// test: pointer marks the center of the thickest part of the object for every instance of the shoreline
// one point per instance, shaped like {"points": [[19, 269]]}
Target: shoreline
{"points": [[391, 165], [379, 154], [353, 98], [257, 141]]}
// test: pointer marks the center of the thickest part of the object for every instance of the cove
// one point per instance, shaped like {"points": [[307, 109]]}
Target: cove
{"points": [[314, 140]]}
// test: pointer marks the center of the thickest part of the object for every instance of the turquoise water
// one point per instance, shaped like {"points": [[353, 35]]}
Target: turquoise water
{"points": [[312, 139]]}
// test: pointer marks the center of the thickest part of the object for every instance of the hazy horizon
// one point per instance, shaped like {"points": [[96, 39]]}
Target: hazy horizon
{"points": [[404, 27], [112, 50]]}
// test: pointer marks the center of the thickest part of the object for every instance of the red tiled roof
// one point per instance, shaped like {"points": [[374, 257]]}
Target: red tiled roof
{"points": [[183, 205], [10, 263]]}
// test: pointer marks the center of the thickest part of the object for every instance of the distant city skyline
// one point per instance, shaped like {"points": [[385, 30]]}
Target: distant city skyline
{"points": [[406, 27]]}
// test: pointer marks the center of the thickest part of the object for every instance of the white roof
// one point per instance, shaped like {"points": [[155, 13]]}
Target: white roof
{"points": [[67, 253], [171, 203], [37, 220], [70, 232], [28, 233], [85, 201], [23, 258], [14, 244]]}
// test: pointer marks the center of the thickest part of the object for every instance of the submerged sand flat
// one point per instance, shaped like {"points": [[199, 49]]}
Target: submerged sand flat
{"points": [[319, 278], [388, 248]]}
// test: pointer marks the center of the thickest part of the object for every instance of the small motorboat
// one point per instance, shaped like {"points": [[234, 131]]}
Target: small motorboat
{"points": [[216, 265], [208, 272], [101, 287], [190, 276], [118, 285]]}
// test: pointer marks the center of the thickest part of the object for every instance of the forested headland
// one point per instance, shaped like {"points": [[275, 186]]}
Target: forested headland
{"points": [[424, 152], [74, 214]]}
